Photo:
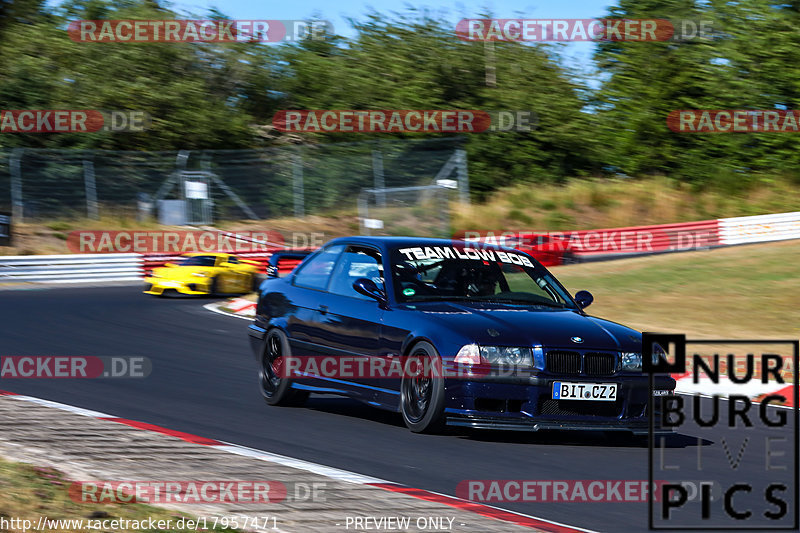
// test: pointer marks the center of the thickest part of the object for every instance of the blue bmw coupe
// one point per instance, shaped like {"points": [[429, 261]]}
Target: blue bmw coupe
{"points": [[448, 333]]}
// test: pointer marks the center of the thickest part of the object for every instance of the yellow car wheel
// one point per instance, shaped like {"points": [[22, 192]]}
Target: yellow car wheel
{"points": [[213, 287]]}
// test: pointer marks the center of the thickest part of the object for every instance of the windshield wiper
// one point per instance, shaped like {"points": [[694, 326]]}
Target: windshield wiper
{"points": [[438, 298], [522, 301]]}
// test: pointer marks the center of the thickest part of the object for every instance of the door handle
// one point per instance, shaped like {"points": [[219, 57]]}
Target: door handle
{"points": [[323, 309]]}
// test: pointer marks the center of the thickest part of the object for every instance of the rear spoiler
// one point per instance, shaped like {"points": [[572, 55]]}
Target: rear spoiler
{"points": [[275, 258]]}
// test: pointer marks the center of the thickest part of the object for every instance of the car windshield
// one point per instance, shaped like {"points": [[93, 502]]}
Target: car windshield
{"points": [[458, 273], [199, 260]]}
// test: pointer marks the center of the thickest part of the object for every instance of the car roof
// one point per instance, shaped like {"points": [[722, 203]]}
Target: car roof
{"points": [[398, 242]]}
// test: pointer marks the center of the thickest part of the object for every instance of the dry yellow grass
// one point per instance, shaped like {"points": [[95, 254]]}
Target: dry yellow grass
{"points": [[589, 204], [738, 292]]}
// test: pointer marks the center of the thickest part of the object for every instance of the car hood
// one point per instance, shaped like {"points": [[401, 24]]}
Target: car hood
{"points": [[515, 325]]}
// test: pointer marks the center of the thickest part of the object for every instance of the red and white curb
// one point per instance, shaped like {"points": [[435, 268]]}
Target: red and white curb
{"points": [[241, 306], [238, 308], [753, 389], [345, 476]]}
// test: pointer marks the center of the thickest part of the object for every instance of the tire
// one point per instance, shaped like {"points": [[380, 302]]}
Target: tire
{"points": [[422, 398], [257, 279], [213, 287], [277, 390]]}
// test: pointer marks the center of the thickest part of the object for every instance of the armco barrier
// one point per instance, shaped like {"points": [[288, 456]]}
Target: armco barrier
{"points": [[71, 268], [761, 228], [600, 244], [644, 240], [586, 245]]}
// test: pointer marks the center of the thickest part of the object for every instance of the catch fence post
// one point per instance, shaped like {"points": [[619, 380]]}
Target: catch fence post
{"points": [[91, 190], [14, 165]]}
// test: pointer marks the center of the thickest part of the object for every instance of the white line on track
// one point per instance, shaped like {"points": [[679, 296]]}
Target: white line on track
{"points": [[300, 464]]}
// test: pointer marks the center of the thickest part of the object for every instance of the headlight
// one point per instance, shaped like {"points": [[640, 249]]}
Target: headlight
{"points": [[506, 355], [469, 355], [198, 274], [631, 361], [525, 356]]}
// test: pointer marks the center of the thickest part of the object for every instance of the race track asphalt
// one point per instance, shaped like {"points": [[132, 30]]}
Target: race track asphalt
{"points": [[204, 382]]}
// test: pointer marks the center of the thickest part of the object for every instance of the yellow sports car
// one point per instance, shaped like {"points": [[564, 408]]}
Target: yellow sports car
{"points": [[205, 273]]}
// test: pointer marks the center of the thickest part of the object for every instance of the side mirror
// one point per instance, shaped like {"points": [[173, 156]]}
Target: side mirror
{"points": [[367, 287], [584, 299], [170, 265]]}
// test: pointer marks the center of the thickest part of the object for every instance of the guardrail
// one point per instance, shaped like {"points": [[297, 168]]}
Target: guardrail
{"points": [[761, 228], [587, 245], [71, 268], [644, 240]]}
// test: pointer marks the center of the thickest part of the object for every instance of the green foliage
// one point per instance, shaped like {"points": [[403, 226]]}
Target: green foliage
{"points": [[560, 221], [223, 96], [519, 216], [60, 225]]}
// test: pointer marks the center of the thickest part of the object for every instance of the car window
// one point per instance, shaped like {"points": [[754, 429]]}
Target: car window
{"points": [[519, 281], [458, 273], [356, 262], [232, 260], [199, 260], [316, 273]]}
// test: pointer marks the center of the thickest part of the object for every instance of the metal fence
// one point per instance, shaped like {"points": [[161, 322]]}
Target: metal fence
{"points": [[415, 211], [263, 183]]}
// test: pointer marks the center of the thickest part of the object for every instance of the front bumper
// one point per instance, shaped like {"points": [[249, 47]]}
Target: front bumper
{"points": [[525, 403], [157, 286]]}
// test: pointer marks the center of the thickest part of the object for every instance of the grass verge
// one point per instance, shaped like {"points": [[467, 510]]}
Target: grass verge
{"points": [[739, 292], [29, 492]]}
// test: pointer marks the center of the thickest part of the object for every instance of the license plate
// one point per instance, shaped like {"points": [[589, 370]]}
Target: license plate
{"points": [[601, 392]]}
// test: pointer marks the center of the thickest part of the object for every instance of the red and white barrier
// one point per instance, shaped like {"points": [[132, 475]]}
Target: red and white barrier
{"points": [[588, 245], [754, 389], [597, 244], [643, 240]]}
